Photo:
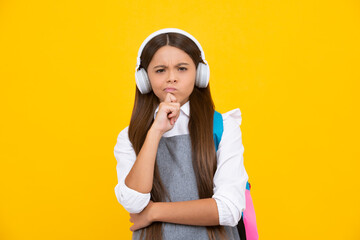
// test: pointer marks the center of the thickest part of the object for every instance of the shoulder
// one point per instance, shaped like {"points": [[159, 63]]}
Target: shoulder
{"points": [[124, 133], [231, 140], [232, 119], [123, 149], [123, 140]]}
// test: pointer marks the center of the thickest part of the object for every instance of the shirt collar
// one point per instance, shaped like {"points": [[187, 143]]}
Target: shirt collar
{"points": [[185, 108]]}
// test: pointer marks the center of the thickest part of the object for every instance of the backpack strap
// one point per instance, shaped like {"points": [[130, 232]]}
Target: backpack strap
{"points": [[218, 128]]}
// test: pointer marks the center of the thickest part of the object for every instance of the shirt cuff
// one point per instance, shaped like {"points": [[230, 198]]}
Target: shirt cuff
{"points": [[226, 216], [133, 201]]}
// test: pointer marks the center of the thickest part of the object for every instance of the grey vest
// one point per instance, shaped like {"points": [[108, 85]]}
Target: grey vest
{"points": [[174, 159]]}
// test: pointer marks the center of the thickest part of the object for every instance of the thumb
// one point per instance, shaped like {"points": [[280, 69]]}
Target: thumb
{"points": [[170, 98]]}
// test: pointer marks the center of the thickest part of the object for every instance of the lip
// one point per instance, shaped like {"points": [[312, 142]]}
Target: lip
{"points": [[170, 89]]}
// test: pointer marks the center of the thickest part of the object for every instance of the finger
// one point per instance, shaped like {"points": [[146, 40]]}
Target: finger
{"points": [[134, 228], [172, 116], [170, 98], [171, 110], [176, 118], [132, 217], [174, 113], [174, 104], [173, 98]]}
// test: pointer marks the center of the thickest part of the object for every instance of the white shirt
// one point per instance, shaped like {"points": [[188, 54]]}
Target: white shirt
{"points": [[229, 180]]}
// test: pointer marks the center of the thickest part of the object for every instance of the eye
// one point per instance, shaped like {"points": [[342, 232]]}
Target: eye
{"points": [[159, 70], [183, 69]]}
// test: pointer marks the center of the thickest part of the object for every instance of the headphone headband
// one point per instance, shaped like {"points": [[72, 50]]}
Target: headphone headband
{"points": [[167, 30]]}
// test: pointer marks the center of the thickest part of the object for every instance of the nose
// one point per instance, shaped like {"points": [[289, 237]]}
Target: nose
{"points": [[172, 76]]}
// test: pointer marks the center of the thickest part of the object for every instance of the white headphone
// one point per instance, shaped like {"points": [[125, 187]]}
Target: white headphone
{"points": [[141, 77]]}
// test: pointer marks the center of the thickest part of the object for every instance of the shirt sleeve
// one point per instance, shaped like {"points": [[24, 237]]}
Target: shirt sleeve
{"points": [[230, 177], [133, 201]]}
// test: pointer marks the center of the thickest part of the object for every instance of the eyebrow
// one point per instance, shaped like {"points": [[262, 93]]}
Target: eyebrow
{"points": [[163, 66]]}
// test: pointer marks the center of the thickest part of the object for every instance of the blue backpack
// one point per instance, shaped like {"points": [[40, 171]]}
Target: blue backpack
{"points": [[247, 225]]}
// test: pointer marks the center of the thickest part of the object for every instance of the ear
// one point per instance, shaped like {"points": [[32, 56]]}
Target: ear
{"points": [[142, 81]]}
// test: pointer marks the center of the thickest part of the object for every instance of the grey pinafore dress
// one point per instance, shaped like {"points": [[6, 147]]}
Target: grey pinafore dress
{"points": [[174, 159]]}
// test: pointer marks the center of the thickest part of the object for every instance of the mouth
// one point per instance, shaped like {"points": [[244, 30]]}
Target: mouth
{"points": [[170, 89]]}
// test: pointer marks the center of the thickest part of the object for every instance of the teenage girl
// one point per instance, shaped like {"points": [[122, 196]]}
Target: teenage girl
{"points": [[171, 180]]}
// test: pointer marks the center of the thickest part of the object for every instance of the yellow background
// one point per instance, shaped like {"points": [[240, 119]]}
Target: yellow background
{"points": [[67, 90]]}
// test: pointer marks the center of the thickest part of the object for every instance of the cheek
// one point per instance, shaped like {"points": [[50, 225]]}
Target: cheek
{"points": [[191, 79], [190, 89], [193, 74], [154, 80], [156, 85]]}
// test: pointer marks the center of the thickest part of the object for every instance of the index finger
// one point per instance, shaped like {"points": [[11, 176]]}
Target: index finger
{"points": [[170, 98]]}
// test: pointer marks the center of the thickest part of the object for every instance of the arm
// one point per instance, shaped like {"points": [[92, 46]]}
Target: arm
{"points": [[140, 177], [201, 212], [137, 171], [230, 177], [132, 200]]}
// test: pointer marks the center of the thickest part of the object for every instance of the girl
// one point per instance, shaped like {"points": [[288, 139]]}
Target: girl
{"points": [[171, 180]]}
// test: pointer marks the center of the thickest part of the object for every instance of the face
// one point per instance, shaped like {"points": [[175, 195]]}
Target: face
{"points": [[172, 70]]}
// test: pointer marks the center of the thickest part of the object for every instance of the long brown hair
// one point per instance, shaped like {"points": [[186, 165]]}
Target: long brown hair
{"points": [[200, 129]]}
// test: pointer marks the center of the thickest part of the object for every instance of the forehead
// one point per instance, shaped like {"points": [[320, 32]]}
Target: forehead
{"points": [[170, 54]]}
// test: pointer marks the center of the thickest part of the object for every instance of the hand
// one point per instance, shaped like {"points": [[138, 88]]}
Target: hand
{"points": [[142, 219], [168, 113]]}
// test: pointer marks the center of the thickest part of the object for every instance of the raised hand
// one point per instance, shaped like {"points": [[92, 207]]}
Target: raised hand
{"points": [[169, 111]]}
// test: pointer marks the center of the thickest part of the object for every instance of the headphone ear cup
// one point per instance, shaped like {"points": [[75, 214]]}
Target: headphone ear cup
{"points": [[142, 81], [202, 75]]}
